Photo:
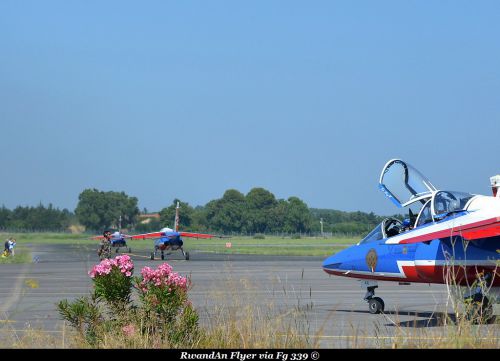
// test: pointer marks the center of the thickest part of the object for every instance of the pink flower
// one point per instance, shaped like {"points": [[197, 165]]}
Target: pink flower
{"points": [[128, 330], [162, 278], [123, 263]]}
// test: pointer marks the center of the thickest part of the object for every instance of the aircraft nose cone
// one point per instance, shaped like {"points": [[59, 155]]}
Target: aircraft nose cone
{"points": [[333, 262]]}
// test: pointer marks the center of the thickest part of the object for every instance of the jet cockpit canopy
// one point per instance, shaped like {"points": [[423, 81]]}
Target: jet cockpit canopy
{"points": [[403, 184]]}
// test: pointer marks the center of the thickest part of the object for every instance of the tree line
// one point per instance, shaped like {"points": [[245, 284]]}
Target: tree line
{"points": [[39, 218], [258, 211]]}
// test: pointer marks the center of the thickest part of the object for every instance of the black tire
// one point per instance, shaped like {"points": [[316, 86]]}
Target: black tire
{"points": [[187, 256], [376, 305], [162, 256], [152, 256], [116, 251], [130, 250], [381, 302]]}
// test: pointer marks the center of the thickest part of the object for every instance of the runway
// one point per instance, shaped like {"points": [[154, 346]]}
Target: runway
{"points": [[330, 310]]}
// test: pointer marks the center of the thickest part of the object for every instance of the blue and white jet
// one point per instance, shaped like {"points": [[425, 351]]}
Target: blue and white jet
{"points": [[168, 239], [118, 240], [447, 233]]}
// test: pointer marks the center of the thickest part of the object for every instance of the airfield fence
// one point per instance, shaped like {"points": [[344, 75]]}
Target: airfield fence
{"points": [[295, 235], [229, 234], [34, 230]]}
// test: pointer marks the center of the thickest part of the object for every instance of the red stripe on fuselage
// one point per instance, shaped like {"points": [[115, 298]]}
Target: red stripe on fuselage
{"points": [[483, 229], [411, 273], [459, 275]]}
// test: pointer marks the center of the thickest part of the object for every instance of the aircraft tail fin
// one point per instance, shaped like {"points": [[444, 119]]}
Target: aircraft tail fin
{"points": [[176, 221]]}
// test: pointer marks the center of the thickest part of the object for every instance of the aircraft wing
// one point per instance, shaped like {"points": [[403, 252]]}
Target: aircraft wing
{"points": [[99, 238], [198, 235], [166, 234], [148, 235]]}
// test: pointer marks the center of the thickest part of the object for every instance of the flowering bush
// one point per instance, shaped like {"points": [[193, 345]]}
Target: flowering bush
{"points": [[162, 291], [168, 312], [113, 280], [163, 314]]}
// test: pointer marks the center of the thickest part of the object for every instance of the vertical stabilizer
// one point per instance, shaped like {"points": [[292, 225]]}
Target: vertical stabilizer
{"points": [[176, 222]]}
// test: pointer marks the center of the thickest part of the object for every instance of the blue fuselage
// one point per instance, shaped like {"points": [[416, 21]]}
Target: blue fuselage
{"points": [[417, 262], [119, 242], [171, 240]]}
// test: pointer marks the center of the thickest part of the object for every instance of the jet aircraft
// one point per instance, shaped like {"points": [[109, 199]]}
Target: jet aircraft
{"points": [[118, 240], [168, 239], [446, 232]]}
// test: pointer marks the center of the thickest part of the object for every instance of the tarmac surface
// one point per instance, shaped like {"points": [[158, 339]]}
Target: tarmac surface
{"points": [[330, 310]]}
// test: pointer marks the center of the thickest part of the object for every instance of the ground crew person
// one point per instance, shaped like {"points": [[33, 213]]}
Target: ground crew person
{"points": [[104, 250]]}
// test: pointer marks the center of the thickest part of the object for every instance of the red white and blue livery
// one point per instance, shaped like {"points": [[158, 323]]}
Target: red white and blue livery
{"points": [[445, 230], [168, 239], [118, 240]]}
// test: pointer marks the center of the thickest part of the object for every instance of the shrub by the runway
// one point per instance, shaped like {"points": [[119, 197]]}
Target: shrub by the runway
{"points": [[163, 314]]}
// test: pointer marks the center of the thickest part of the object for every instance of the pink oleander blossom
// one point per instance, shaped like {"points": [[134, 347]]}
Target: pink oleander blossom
{"points": [[162, 277], [123, 263]]}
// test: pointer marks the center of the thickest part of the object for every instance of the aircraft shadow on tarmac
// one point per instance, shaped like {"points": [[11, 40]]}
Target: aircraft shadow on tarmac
{"points": [[428, 319]]}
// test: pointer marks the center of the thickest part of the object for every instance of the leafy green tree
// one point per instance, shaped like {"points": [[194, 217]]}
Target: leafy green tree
{"points": [[38, 218], [5, 216], [199, 220], [297, 218], [227, 214], [276, 216], [98, 210], [260, 203], [345, 222]]}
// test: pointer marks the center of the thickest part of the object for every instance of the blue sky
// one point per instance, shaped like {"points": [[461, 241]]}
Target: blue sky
{"points": [[186, 99]]}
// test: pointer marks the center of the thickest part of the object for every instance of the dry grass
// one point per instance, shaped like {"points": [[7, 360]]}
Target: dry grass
{"points": [[236, 316], [451, 334], [241, 320]]}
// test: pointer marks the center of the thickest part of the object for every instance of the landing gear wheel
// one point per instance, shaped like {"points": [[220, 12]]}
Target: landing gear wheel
{"points": [[375, 305], [162, 256], [116, 250], [130, 250], [152, 256], [186, 256]]}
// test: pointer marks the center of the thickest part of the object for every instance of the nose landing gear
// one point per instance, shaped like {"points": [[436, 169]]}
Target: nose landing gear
{"points": [[162, 253], [375, 304]]}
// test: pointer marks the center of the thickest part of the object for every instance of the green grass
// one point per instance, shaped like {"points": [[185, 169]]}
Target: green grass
{"points": [[21, 255], [48, 238], [271, 245]]}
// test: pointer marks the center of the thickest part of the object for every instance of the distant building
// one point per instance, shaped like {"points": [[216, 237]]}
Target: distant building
{"points": [[147, 217]]}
